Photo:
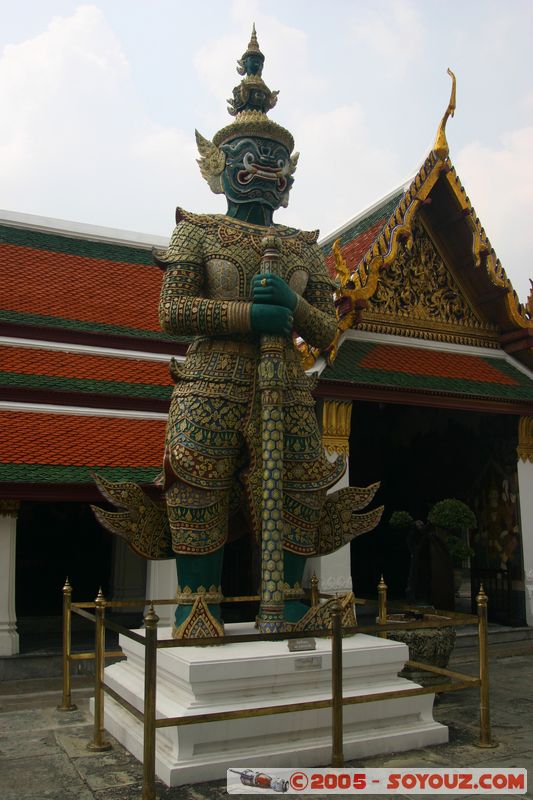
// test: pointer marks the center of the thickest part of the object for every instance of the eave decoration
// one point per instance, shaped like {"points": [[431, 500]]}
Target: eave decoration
{"points": [[357, 285]]}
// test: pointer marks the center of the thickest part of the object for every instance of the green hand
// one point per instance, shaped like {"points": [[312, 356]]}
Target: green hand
{"points": [[271, 319], [271, 289]]}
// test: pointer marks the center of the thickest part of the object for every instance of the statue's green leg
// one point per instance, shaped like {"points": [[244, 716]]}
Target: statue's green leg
{"points": [[198, 523], [293, 570], [198, 572]]}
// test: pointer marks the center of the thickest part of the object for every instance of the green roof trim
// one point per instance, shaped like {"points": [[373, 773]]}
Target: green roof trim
{"points": [[55, 243], [347, 369], [85, 385], [59, 473], [46, 321], [363, 224]]}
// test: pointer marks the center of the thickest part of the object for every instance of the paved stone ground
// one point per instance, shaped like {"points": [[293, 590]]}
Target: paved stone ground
{"points": [[43, 752]]}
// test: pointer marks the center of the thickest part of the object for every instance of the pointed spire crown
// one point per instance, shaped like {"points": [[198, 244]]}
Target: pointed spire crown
{"points": [[252, 93], [253, 55], [251, 102]]}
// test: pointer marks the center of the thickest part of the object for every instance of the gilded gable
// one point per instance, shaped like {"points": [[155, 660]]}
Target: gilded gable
{"points": [[418, 296]]}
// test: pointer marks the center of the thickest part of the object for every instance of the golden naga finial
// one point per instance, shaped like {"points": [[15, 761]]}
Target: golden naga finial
{"points": [[441, 144], [528, 305], [348, 280]]}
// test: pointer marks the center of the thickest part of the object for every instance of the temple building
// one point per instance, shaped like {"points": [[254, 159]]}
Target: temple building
{"points": [[428, 387]]}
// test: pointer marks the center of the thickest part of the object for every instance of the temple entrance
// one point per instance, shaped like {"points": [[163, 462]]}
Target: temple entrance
{"points": [[423, 455], [56, 540]]}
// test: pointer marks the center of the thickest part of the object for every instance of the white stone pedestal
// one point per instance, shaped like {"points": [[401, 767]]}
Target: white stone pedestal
{"points": [[198, 680]]}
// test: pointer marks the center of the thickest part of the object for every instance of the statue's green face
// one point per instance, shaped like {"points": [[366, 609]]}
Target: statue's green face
{"points": [[257, 171], [253, 64]]}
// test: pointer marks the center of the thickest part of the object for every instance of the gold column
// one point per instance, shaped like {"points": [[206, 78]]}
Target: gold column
{"points": [[525, 439], [337, 754], [9, 508], [485, 738], [150, 683], [336, 421], [382, 606], [315, 595], [66, 703], [98, 743]]}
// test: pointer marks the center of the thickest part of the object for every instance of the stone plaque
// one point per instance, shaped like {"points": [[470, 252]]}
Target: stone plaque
{"points": [[297, 645]]}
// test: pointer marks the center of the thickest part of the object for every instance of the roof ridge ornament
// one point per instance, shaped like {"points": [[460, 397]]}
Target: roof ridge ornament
{"points": [[440, 147]]}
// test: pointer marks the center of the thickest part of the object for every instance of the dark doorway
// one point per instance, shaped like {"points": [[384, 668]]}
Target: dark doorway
{"points": [[56, 540], [420, 455]]}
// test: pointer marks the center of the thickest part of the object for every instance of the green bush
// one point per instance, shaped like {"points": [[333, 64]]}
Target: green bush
{"points": [[452, 515], [401, 519], [458, 550]]}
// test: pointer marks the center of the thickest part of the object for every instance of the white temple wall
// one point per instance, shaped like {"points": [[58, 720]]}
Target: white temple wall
{"points": [[525, 484], [9, 638]]}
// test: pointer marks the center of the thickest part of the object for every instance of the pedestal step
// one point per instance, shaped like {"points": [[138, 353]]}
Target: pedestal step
{"points": [[199, 680]]}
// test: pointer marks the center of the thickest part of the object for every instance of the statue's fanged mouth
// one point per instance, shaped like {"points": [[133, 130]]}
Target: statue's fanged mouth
{"points": [[252, 170]]}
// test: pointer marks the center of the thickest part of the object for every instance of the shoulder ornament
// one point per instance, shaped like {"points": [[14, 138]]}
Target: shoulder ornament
{"points": [[202, 220]]}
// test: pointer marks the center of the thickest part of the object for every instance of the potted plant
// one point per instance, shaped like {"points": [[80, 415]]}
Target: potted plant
{"points": [[452, 519], [435, 547]]}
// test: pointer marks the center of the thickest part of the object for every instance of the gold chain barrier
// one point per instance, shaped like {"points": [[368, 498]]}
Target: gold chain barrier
{"points": [[456, 680]]}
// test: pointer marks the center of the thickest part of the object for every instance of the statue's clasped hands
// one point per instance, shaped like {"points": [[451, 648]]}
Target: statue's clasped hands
{"points": [[273, 304]]}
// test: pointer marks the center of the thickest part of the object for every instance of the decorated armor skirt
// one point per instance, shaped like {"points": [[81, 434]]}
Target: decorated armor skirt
{"points": [[213, 462]]}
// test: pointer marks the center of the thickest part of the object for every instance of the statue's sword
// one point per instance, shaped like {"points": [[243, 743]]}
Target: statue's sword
{"points": [[270, 384]]}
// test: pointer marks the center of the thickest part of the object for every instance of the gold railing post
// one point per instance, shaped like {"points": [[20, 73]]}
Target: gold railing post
{"points": [[485, 737], [337, 755], [382, 606], [315, 599], [150, 679], [66, 703], [98, 743]]}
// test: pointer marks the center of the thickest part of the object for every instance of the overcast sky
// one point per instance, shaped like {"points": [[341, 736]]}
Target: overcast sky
{"points": [[99, 102]]}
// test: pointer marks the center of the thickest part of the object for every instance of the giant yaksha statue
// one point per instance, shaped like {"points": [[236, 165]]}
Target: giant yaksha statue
{"points": [[242, 429]]}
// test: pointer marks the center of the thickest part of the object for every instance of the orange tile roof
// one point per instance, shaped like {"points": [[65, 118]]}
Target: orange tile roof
{"points": [[403, 368], [419, 361], [71, 439], [73, 287], [39, 361], [355, 248]]}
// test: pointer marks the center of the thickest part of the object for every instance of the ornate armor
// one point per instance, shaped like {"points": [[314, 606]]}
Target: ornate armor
{"points": [[212, 455]]}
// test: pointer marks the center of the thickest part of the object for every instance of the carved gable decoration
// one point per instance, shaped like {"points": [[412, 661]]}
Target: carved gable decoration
{"points": [[417, 295]]}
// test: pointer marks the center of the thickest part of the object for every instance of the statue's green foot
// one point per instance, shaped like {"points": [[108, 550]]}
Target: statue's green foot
{"points": [[199, 621], [184, 612], [294, 610]]}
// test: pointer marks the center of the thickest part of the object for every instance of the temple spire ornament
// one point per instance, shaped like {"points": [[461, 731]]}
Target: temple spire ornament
{"points": [[441, 143]]}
